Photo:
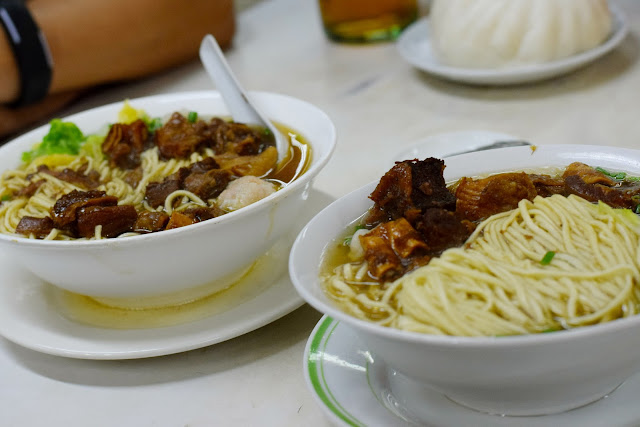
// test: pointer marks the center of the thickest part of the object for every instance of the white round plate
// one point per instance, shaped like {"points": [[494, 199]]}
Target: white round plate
{"points": [[415, 47], [451, 143], [30, 317], [355, 389]]}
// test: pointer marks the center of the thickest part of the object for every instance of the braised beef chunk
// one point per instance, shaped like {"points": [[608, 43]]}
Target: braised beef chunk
{"points": [[592, 185], [409, 188], [150, 222], [478, 199], [134, 176], [39, 227], [237, 138], [203, 165], [88, 181], [207, 185], [441, 229], [124, 143], [64, 211], [201, 178], [157, 192], [202, 213], [179, 138], [429, 187], [547, 185], [114, 220], [30, 189]]}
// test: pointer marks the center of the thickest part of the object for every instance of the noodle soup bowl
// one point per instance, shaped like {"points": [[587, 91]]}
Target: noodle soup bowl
{"points": [[520, 375], [182, 263]]}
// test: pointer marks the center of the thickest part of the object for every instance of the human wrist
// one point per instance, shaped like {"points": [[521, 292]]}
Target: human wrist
{"points": [[10, 81], [32, 59]]}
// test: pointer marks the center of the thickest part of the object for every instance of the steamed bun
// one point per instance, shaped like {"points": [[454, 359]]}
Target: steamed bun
{"points": [[500, 33]]}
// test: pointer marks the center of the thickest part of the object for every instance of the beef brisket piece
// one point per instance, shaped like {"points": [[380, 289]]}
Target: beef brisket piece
{"points": [[592, 185], [478, 199], [114, 220], [179, 138], [39, 227], [65, 210]]}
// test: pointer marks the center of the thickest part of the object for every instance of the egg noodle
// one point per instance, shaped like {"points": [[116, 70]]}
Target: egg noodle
{"points": [[554, 263], [114, 184]]}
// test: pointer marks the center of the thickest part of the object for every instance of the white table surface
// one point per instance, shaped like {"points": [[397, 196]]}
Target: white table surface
{"points": [[379, 105]]}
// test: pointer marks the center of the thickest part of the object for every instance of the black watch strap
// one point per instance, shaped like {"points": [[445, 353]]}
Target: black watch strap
{"points": [[30, 49]]}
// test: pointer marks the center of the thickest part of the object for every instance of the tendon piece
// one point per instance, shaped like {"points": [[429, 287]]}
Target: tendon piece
{"points": [[179, 138], [88, 181], [592, 185], [207, 185], [124, 143], [481, 198], [114, 220], [38, 227], [405, 240], [256, 165], [547, 185], [390, 248], [150, 222], [383, 263], [64, 211], [409, 188], [178, 219], [441, 229]]}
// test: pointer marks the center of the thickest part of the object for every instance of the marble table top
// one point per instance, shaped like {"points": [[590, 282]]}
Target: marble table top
{"points": [[380, 105]]}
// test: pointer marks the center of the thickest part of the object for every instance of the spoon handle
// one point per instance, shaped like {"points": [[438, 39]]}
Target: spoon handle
{"points": [[234, 95]]}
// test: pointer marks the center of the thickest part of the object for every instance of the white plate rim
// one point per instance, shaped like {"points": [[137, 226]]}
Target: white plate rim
{"points": [[278, 300], [417, 33], [327, 349]]}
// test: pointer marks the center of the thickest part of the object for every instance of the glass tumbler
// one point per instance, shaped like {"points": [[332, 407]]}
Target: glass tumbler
{"points": [[364, 21]]}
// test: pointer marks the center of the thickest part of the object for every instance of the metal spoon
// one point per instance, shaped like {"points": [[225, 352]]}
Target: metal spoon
{"points": [[236, 99], [497, 144]]}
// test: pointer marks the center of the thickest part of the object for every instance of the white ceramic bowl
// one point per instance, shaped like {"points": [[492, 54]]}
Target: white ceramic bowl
{"points": [[520, 375], [195, 257]]}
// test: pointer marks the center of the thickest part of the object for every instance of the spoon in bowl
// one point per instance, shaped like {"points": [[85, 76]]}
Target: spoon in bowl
{"points": [[236, 99]]}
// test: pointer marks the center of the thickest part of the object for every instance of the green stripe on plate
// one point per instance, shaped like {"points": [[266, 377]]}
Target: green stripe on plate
{"points": [[316, 372]]}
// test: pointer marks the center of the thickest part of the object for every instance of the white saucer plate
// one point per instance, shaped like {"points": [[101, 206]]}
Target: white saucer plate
{"points": [[29, 317], [451, 143], [355, 389], [415, 47]]}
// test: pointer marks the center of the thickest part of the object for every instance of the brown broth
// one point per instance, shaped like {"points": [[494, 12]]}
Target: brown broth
{"points": [[297, 161]]}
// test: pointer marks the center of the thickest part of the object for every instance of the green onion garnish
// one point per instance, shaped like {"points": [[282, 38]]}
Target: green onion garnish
{"points": [[192, 117], [155, 124], [546, 259]]}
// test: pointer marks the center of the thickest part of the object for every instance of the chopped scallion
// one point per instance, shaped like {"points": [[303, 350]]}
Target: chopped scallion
{"points": [[192, 117], [155, 124], [546, 259]]}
